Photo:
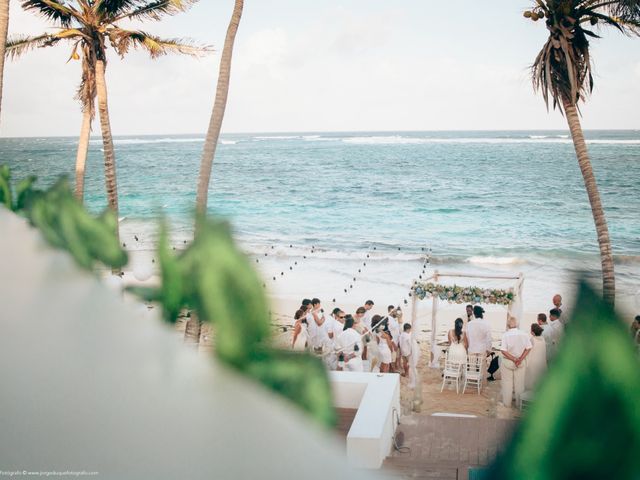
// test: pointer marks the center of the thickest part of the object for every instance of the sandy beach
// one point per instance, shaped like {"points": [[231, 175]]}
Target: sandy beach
{"points": [[291, 276]]}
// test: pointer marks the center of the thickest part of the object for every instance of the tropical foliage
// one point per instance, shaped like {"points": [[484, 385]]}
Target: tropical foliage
{"points": [[584, 421], [562, 71], [457, 294], [88, 27], [63, 221], [219, 283]]}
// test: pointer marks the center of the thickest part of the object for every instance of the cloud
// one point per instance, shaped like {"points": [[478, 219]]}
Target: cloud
{"points": [[323, 67]]}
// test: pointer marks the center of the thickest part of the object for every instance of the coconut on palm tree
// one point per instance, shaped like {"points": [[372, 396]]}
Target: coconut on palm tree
{"points": [[192, 329], [4, 27], [89, 26], [562, 72]]}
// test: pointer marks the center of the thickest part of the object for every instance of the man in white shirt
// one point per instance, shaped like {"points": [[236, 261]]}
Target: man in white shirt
{"points": [[350, 346], [479, 333], [515, 347], [470, 316], [368, 305], [394, 326], [316, 326], [337, 324], [334, 327], [556, 329], [557, 302], [547, 334]]}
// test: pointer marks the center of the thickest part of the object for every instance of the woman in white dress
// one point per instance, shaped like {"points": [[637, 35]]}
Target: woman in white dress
{"points": [[458, 343], [385, 347], [300, 332], [536, 361]]}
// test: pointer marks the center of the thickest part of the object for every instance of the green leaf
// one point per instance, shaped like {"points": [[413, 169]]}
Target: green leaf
{"points": [[25, 192], [585, 421], [64, 222], [172, 289], [6, 197], [228, 290], [148, 294]]}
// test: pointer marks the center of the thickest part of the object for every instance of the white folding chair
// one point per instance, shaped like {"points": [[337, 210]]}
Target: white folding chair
{"points": [[474, 371], [452, 373]]}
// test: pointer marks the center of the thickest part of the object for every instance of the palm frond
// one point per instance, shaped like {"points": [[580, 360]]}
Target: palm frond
{"points": [[87, 92], [124, 40], [114, 8], [53, 10], [157, 9], [18, 45], [628, 11], [562, 71]]}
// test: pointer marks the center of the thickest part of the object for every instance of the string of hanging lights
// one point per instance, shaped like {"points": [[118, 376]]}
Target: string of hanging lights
{"points": [[296, 261]]}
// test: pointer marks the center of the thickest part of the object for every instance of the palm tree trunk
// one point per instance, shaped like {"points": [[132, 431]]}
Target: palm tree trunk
{"points": [[606, 256], [4, 27], [107, 140], [81, 156], [215, 124]]}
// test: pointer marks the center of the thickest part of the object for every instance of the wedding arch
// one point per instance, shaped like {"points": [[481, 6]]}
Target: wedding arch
{"points": [[430, 288]]}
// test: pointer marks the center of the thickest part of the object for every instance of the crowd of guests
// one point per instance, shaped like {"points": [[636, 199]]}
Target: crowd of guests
{"points": [[355, 342], [364, 341], [524, 355]]}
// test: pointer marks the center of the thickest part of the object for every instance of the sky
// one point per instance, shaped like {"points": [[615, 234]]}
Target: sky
{"points": [[330, 65]]}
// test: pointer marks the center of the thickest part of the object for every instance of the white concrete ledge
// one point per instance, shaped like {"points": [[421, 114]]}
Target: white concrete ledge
{"points": [[377, 398]]}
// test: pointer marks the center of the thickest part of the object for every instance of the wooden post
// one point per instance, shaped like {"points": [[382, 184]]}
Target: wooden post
{"points": [[434, 323], [417, 380], [414, 314]]}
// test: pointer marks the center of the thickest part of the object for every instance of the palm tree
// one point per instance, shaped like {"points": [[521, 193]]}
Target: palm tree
{"points": [[4, 27], [219, 106], [88, 25], [562, 71], [87, 97], [192, 328]]}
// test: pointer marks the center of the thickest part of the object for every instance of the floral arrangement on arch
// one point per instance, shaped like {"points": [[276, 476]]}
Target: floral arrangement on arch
{"points": [[456, 294]]}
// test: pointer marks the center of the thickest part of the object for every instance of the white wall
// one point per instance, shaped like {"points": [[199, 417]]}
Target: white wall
{"points": [[377, 398]]}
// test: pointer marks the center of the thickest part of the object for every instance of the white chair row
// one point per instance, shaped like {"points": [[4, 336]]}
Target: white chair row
{"points": [[472, 371]]}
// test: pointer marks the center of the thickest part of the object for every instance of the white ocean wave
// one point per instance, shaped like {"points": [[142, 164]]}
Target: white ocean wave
{"points": [[388, 140], [297, 251], [142, 141], [228, 142], [491, 260], [396, 139], [277, 137]]}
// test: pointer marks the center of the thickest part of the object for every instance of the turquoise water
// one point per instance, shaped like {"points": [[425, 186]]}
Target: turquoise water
{"points": [[465, 194], [491, 201]]}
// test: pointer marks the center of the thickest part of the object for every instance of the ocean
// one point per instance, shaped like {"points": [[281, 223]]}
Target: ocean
{"points": [[485, 202]]}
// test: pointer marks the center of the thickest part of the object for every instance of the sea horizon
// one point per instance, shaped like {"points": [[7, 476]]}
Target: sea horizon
{"points": [[300, 132]]}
